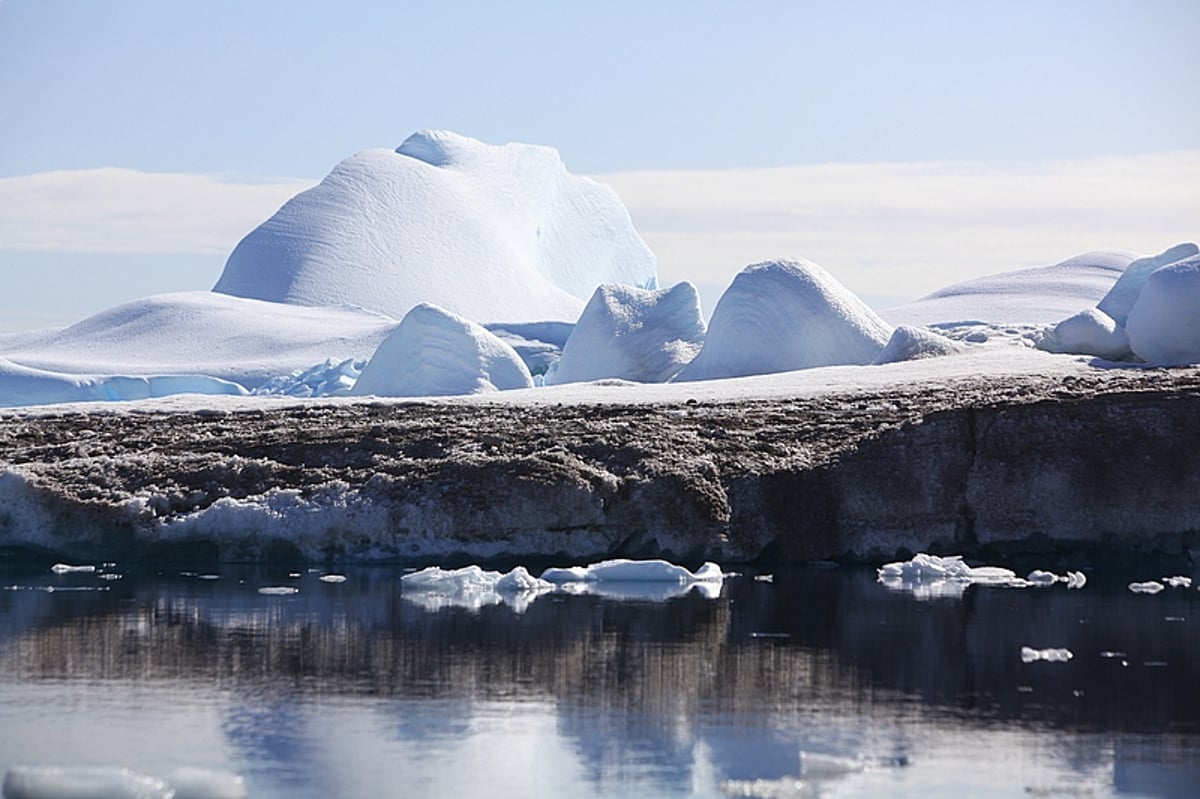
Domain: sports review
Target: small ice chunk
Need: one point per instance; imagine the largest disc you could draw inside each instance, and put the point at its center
(1076, 579)
(472, 587)
(1148, 587)
(278, 590)
(518, 580)
(33, 782)
(1178, 581)
(637, 571)
(66, 568)
(764, 578)
(814, 765)
(1040, 577)
(202, 783)
(1052, 655)
(332, 578)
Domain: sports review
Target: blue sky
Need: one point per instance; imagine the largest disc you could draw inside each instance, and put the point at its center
(260, 97)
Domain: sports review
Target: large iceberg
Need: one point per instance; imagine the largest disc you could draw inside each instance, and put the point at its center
(434, 353)
(779, 316)
(632, 334)
(493, 233)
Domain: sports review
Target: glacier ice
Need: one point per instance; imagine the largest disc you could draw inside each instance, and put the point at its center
(1120, 299)
(494, 233)
(1164, 323)
(632, 334)
(434, 352)
(779, 316)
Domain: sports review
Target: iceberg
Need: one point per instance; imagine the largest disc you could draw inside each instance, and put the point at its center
(434, 352)
(632, 334)
(1164, 323)
(494, 233)
(931, 576)
(1050, 655)
(1121, 298)
(779, 316)
(472, 587)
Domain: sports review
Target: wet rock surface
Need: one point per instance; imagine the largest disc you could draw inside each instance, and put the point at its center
(1109, 459)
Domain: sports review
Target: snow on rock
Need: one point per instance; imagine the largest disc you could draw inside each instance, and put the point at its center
(434, 352)
(188, 342)
(1120, 299)
(1089, 332)
(1164, 324)
(1042, 295)
(780, 316)
(493, 233)
(910, 343)
(632, 334)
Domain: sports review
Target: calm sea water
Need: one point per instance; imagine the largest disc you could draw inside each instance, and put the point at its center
(817, 683)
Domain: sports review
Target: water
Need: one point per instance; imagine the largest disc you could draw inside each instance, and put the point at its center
(351, 690)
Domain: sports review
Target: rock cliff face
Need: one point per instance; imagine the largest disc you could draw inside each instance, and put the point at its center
(991, 464)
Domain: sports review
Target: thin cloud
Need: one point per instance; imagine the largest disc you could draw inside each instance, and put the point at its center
(115, 210)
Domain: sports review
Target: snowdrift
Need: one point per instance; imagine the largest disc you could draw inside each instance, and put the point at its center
(779, 316)
(492, 233)
(632, 334)
(435, 353)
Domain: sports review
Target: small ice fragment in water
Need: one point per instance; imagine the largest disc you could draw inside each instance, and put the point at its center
(1174, 618)
(208, 577)
(1108, 654)
(30, 782)
(814, 765)
(1076, 579)
(202, 783)
(1178, 582)
(332, 578)
(1039, 577)
(1060, 655)
(1149, 587)
(66, 568)
(278, 590)
(764, 578)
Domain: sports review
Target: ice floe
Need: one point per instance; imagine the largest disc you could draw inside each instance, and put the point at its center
(1052, 655)
(1178, 581)
(45, 782)
(66, 568)
(1148, 587)
(931, 576)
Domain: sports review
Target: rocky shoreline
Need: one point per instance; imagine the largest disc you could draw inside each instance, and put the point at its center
(1108, 458)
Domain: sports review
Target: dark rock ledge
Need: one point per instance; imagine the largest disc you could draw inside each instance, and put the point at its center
(1109, 459)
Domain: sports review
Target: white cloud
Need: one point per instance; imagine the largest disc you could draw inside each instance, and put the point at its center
(898, 231)
(888, 231)
(114, 210)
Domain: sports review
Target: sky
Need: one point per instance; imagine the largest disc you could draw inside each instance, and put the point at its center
(903, 146)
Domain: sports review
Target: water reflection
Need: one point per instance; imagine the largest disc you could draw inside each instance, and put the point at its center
(349, 689)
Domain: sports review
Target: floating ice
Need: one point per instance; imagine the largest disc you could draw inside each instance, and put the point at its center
(780, 316)
(1178, 581)
(436, 353)
(632, 334)
(332, 578)
(1060, 655)
(637, 571)
(928, 576)
(1148, 587)
(471, 587)
(30, 782)
(278, 590)
(66, 568)
(494, 233)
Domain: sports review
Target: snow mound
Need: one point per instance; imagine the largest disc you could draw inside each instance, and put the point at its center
(493, 233)
(434, 352)
(1121, 297)
(633, 334)
(31, 782)
(780, 316)
(1164, 324)
(914, 343)
(1042, 295)
(187, 342)
(1089, 332)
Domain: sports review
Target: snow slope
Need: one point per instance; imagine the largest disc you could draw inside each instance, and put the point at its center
(436, 353)
(188, 342)
(783, 315)
(1042, 295)
(492, 233)
(632, 334)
